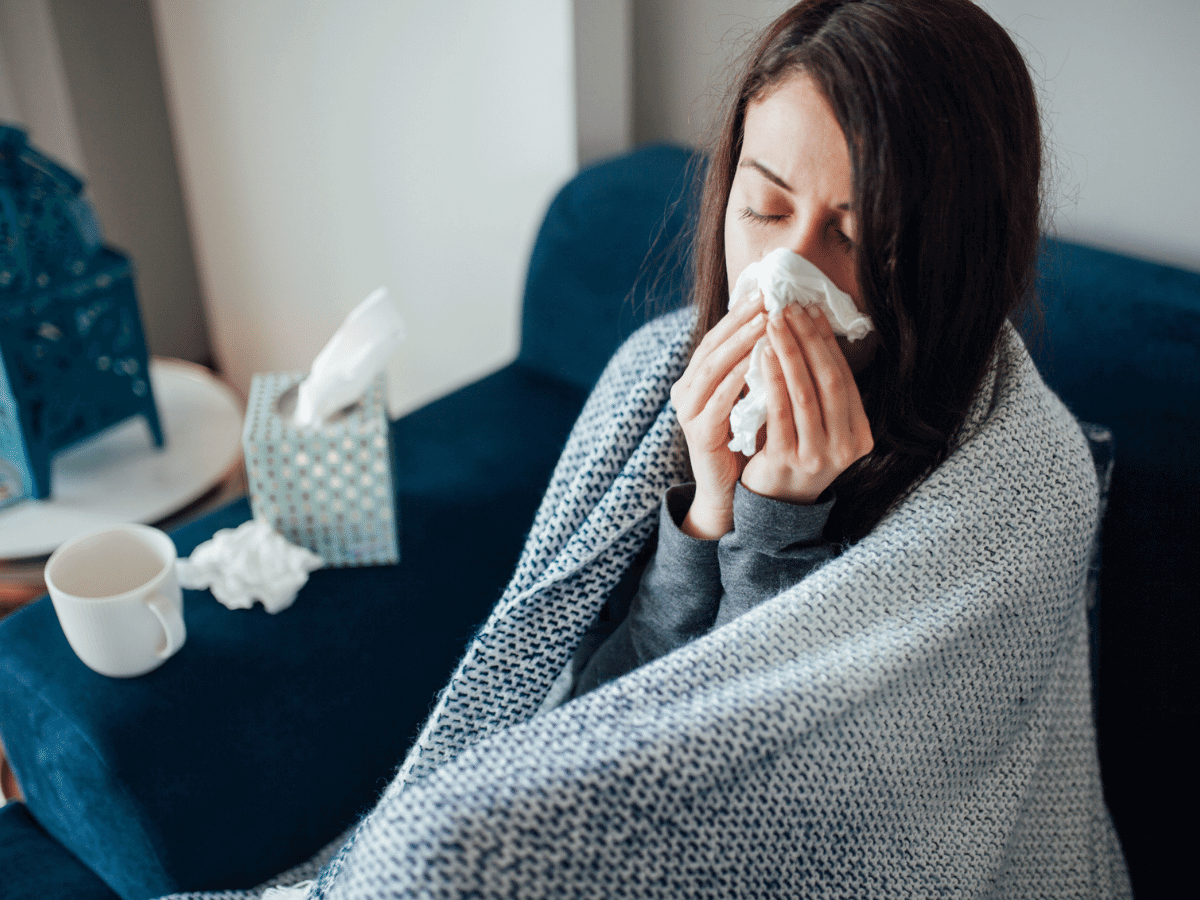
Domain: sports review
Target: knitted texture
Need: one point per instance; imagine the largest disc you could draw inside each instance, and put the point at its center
(912, 719)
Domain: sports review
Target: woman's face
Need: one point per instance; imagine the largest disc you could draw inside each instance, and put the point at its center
(792, 189)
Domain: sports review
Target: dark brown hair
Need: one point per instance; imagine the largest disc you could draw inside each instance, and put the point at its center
(941, 121)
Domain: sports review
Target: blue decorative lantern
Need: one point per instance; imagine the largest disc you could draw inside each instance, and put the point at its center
(73, 358)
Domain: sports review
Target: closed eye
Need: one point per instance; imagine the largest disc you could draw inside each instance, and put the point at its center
(748, 213)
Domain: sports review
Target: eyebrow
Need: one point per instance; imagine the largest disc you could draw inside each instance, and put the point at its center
(775, 179)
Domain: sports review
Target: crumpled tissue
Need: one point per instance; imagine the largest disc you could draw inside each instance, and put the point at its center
(356, 353)
(782, 278)
(248, 563)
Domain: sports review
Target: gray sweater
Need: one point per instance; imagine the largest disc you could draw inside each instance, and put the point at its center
(690, 586)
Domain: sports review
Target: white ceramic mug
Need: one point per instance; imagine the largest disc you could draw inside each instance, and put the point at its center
(117, 598)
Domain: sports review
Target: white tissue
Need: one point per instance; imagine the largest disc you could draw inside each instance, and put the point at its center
(248, 563)
(782, 277)
(356, 353)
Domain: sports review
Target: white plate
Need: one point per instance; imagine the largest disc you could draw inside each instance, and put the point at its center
(120, 476)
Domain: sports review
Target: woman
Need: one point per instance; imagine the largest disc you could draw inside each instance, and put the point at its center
(925, 210)
(909, 718)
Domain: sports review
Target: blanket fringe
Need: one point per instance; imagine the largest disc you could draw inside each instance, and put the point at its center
(290, 892)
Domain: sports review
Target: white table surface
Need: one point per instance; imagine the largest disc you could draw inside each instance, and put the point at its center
(120, 476)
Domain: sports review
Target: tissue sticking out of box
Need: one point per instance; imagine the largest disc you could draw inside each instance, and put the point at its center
(782, 278)
(356, 353)
(248, 563)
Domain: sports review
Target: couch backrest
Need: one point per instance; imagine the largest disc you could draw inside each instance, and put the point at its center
(610, 255)
(1121, 346)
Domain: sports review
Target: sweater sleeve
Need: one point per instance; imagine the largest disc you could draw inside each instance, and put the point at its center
(691, 586)
(773, 546)
(676, 600)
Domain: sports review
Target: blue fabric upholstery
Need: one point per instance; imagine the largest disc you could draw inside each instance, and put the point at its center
(46, 869)
(570, 323)
(267, 735)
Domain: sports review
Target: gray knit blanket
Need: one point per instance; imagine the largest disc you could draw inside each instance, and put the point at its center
(913, 719)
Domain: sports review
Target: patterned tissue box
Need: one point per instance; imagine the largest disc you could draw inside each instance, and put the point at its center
(326, 487)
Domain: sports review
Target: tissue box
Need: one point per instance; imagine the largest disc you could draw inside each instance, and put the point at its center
(328, 487)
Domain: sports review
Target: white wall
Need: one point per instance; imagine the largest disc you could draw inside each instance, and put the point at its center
(603, 77)
(115, 84)
(38, 98)
(1120, 86)
(9, 111)
(328, 148)
(683, 51)
(82, 78)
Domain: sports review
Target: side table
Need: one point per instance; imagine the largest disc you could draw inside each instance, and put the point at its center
(197, 409)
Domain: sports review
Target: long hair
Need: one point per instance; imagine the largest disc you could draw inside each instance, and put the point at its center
(941, 122)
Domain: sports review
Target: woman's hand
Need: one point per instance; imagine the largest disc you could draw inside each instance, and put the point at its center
(703, 398)
(816, 426)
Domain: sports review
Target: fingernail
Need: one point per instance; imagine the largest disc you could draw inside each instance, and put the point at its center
(814, 310)
(747, 297)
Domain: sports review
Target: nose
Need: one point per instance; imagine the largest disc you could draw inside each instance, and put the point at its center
(809, 239)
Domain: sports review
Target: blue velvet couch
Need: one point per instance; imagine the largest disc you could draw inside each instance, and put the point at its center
(266, 736)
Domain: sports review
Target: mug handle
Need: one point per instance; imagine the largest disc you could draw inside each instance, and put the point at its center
(171, 619)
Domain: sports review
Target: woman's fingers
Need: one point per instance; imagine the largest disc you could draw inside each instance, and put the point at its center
(831, 372)
(735, 318)
(704, 416)
(713, 417)
(830, 382)
(815, 424)
(782, 433)
(715, 359)
(785, 467)
(793, 410)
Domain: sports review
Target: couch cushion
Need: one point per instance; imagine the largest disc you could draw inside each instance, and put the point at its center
(461, 448)
(34, 866)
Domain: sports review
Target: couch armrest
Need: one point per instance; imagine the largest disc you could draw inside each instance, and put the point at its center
(36, 867)
(267, 736)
